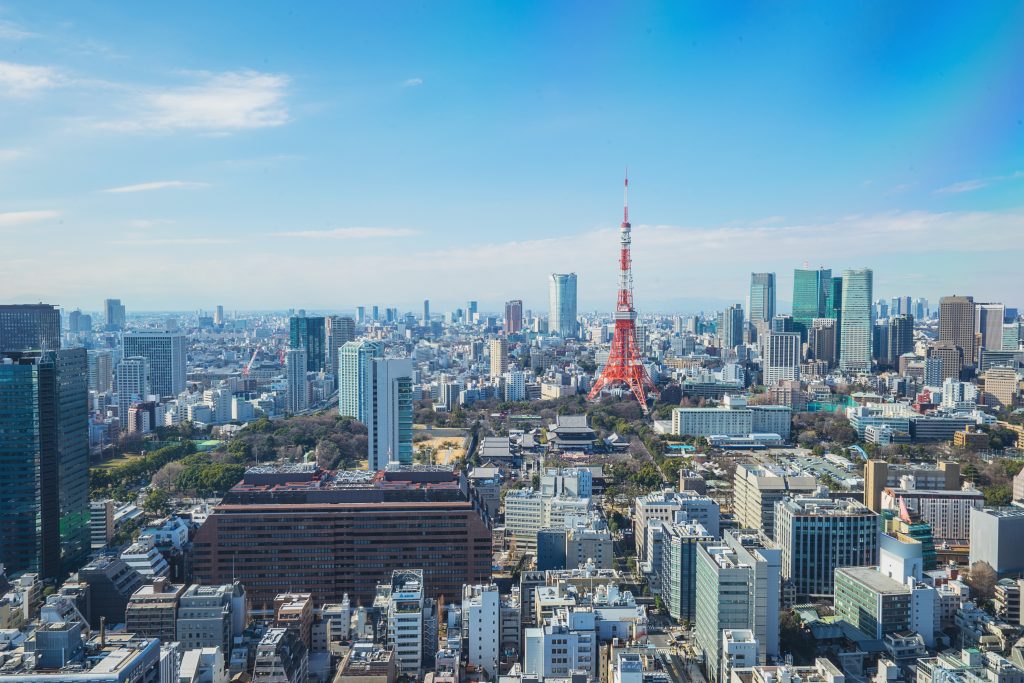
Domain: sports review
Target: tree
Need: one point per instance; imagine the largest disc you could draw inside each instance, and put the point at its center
(157, 502)
(982, 580)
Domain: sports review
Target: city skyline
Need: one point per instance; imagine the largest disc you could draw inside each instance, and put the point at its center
(247, 154)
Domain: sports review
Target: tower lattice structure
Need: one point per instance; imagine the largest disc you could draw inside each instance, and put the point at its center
(624, 366)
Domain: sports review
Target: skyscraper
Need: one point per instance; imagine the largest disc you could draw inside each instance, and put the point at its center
(426, 312)
(377, 391)
(165, 351)
(218, 315)
(731, 331)
(499, 357)
(309, 334)
(513, 316)
(114, 314)
(855, 325)
(812, 291)
(900, 339)
(956, 328)
(101, 370)
(340, 330)
(562, 316)
(989, 324)
(471, 311)
(781, 357)
(822, 342)
(29, 327)
(44, 518)
(133, 385)
(297, 389)
(762, 301)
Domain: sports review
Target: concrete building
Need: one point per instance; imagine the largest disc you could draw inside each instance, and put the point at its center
(152, 611)
(363, 524)
(1001, 388)
(947, 512)
(757, 488)
(404, 599)
(734, 418)
(871, 602)
(513, 316)
(823, 341)
(132, 384)
(738, 585)
(677, 575)
(481, 625)
(957, 331)
(564, 643)
(367, 663)
(855, 321)
(739, 651)
(819, 534)
(996, 535)
(377, 391)
(63, 655)
(879, 474)
(668, 507)
(499, 357)
(111, 585)
(281, 658)
(781, 357)
(210, 616)
(297, 388)
(29, 327)
(165, 350)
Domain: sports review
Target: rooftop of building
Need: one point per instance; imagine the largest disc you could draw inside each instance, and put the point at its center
(116, 653)
(826, 507)
(873, 579)
(1008, 511)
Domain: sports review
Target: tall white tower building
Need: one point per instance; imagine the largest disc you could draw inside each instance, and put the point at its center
(562, 317)
(855, 324)
(297, 392)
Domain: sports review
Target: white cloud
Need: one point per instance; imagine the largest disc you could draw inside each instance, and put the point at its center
(25, 80)
(219, 103)
(964, 186)
(145, 241)
(413, 82)
(356, 233)
(12, 219)
(11, 154)
(11, 31)
(157, 185)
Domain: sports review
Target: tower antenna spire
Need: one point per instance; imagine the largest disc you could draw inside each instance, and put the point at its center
(625, 199)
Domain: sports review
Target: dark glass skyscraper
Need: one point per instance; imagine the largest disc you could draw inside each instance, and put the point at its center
(309, 334)
(812, 294)
(762, 301)
(44, 474)
(29, 327)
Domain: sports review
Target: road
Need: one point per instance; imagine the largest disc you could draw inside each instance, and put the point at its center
(680, 669)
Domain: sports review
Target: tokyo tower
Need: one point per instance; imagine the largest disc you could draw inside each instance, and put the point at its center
(624, 366)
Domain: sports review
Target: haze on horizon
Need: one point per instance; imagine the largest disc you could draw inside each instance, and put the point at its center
(324, 156)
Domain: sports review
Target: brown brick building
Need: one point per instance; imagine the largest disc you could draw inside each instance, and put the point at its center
(301, 529)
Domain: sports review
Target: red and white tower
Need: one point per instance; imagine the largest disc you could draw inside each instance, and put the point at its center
(624, 366)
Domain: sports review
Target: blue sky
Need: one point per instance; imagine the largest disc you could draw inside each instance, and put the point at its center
(181, 155)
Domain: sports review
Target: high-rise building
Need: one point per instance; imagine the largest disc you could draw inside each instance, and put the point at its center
(358, 529)
(817, 534)
(360, 315)
(738, 587)
(822, 341)
(762, 301)
(677, 576)
(101, 370)
(218, 316)
(956, 327)
(165, 351)
(921, 311)
(377, 391)
(731, 330)
(562, 316)
(757, 488)
(44, 518)
(1001, 387)
(812, 292)
(855, 324)
(513, 316)
(309, 334)
(133, 385)
(989, 325)
(471, 311)
(781, 357)
(29, 327)
(950, 357)
(900, 338)
(481, 608)
(114, 314)
(297, 389)
(340, 329)
(426, 312)
(499, 356)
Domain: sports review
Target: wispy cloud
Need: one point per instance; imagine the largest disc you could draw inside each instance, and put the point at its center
(11, 154)
(412, 82)
(356, 233)
(978, 183)
(218, 103)
(25, 80)
(157, 185)
(146, 223)
(964, 186)
(11, 31)
(12, 219)
(146, 241)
